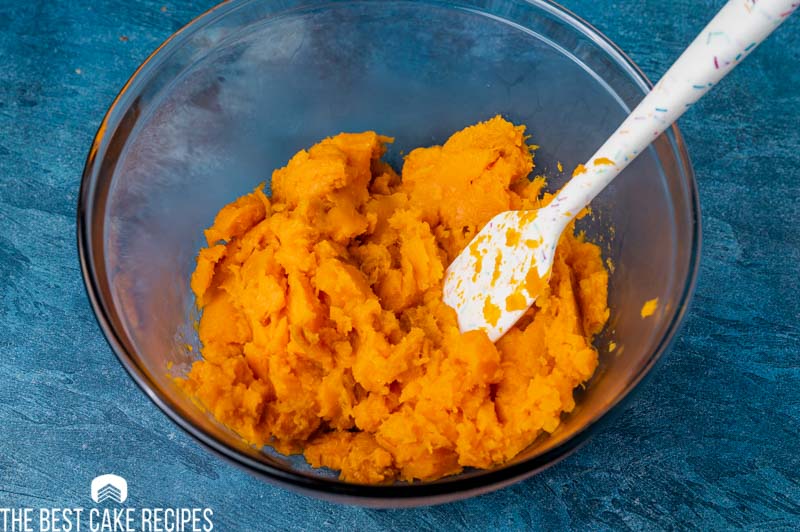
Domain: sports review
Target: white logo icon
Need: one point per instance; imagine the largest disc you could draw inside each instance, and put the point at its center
(109, 487)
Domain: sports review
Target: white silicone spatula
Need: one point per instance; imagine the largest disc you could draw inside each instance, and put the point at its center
(493, 299)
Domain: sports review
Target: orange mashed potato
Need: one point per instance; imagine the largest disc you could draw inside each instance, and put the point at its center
(323, 326)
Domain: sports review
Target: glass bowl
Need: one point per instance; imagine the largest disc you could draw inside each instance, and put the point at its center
(235, 93)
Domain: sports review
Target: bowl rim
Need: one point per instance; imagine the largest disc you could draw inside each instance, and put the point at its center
(395, 495)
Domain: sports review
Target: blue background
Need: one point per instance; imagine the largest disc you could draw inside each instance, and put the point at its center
(709, 442)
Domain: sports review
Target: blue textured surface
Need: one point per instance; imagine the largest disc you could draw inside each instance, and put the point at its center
(709, 442)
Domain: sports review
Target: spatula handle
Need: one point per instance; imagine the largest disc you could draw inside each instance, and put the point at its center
(735, 31)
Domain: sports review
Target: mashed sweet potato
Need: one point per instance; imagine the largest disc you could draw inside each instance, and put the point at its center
(323, 326)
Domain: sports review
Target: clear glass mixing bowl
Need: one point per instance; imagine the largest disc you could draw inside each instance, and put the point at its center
(235, 93)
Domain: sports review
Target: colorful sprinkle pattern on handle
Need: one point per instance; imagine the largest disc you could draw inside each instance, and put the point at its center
(493, 302)
(739, 27)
